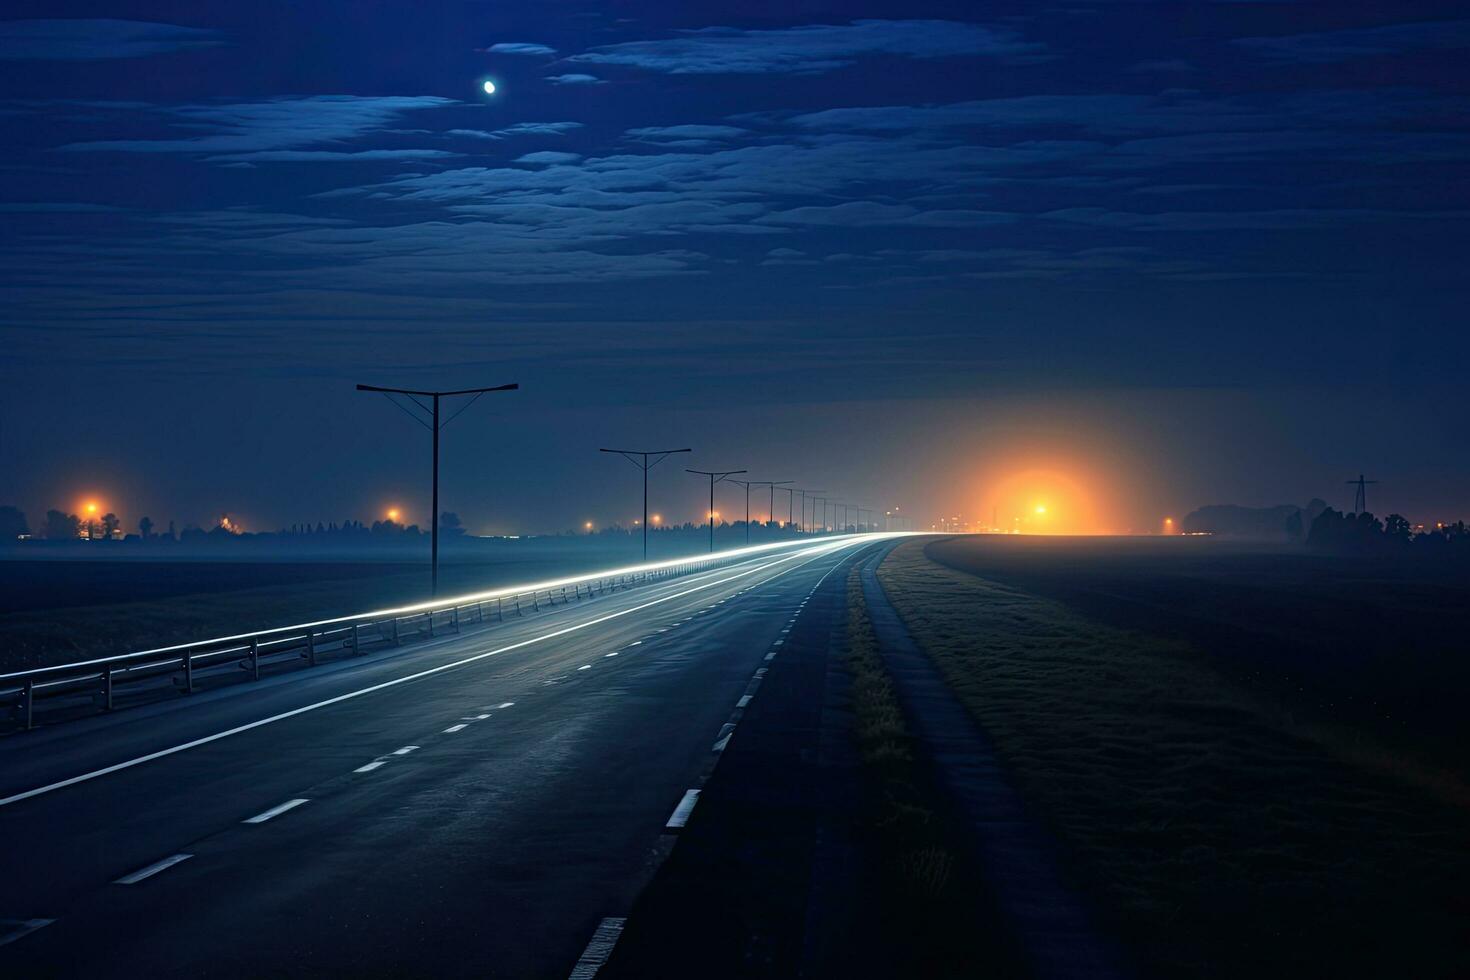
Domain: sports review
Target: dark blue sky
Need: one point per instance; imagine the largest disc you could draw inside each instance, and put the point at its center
(1188, 252)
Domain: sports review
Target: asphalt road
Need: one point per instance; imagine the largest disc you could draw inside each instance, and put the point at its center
(474, 806)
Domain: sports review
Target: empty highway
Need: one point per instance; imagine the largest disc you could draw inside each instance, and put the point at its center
(470, 806)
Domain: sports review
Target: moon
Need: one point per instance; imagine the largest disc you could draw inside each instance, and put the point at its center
(489, 87)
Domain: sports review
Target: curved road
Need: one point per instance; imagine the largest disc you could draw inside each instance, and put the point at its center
(473, 806)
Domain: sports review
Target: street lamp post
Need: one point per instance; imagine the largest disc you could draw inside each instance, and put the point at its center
(434, 426)
(747, 485)
(715, 476)
(643, 464)
(771, 513)
(803, 504)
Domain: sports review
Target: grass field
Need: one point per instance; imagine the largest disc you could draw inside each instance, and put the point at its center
(1215, 833)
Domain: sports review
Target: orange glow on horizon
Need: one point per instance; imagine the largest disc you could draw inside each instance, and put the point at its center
(393, 513)
(1051, 497)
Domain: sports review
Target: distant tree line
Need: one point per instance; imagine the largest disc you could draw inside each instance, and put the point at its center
(59, 526)
(1334, 531)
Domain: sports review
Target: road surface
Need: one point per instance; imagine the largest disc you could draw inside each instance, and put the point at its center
(472, 806)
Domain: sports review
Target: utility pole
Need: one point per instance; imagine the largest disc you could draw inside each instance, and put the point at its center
(1360, 499)
(747, 485)
(715, 477)
(643, 464)
(434, 426)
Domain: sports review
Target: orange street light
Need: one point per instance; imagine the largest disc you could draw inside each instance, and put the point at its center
(393, 514)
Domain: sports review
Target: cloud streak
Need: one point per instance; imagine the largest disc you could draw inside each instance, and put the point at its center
(811, 49)
(99, 39)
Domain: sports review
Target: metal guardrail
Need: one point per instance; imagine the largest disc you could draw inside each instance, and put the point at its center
(99, 681)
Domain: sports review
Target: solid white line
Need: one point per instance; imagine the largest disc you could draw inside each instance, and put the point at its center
(275, 811)
(452, 729)
(370, 766)
(405, 750)
(152, 869)
(428, 672)
(599, 949)
(681, 812)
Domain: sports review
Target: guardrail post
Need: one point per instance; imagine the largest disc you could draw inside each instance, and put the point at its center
(188, 672)
(255, 657)
(479, 611)
(537, 602)
(454, 618)
(429, 618)
(357, 639)
(518, 604)
(311, 647)
(499, 609)
(395, 631)
(107, 689)
(29, 703)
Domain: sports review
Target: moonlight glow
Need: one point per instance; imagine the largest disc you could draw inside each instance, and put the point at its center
(489, 87)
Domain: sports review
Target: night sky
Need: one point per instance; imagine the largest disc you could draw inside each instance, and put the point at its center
(1139, 256)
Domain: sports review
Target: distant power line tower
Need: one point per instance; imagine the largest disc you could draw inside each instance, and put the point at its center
(1360, 499)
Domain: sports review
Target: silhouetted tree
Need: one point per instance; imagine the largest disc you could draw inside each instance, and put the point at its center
(1294, 529)
(1396, 527)
(12, 523)
(62, 527)
(110, 523)
(449, 524)
(145, 528)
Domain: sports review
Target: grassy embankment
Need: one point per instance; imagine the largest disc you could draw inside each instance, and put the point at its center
(928, 916)
(1216, 841)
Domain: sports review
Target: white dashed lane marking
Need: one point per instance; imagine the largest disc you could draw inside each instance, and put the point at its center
(405, 750)
(370, 766)
(452, 729)
(599, 949)
(680, 816)
(275, 811)
(152, 869)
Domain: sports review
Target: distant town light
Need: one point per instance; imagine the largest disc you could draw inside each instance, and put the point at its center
(588, 525)
(393, 513)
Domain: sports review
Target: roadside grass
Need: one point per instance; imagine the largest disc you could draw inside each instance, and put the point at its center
(1216, 841)
(925, 896)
